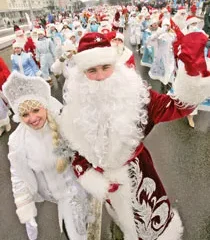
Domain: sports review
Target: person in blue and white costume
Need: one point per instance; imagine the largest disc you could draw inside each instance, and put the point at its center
(23, 62)
(64, 65)
(66, 30)
(39, 158)
(92, 25)
(132, 24)
(163, 67)
(149, 41)
(57, 38)
(45, 54)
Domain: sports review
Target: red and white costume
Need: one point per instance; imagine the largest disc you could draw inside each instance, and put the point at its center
(106, 123)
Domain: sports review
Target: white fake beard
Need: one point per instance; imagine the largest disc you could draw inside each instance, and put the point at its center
(21, 40)
(193, 29)
(104, 120)
(119, 48)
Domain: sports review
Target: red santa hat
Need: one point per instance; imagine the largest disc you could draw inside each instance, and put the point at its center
(182, 9)
(119, 36)
(19, 32)
(94, 49)
(191, 19)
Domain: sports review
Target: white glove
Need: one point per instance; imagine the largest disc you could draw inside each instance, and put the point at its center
(32, 229)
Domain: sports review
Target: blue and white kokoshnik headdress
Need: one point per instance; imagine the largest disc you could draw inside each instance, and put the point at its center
(19, 88)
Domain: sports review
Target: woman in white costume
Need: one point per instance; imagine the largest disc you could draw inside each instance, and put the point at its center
(64, 65)
(39, 158)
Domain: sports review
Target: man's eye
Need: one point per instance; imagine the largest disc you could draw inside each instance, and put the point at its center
(91, 71)
(106, 67)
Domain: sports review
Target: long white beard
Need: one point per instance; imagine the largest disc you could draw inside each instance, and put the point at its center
(21, 40)
(104, 120)
(119, 48)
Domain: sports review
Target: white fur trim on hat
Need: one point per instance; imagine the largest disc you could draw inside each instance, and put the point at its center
(152, 21)
(41, 31)
(18, 45)
(192, 20)
(95, 56)
(119, 36)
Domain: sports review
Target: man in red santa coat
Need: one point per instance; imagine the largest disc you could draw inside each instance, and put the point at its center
(110, 113)
(4, 72)
(125, 55)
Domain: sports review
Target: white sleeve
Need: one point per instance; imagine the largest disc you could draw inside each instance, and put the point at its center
(23, 197)
(57, 67)
(26, 208)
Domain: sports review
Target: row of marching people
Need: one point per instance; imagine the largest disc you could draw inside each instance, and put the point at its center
(160, 46)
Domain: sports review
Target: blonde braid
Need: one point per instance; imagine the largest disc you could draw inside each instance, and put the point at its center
(61, 163)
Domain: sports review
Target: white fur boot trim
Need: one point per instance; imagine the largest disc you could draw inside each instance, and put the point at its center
(121, 202)
(175, 229)
(27, 212)
(95, 183)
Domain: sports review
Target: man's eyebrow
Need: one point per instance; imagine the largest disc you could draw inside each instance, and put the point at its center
(106, 65)
(90, 69)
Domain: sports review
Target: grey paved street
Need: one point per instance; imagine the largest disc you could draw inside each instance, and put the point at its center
(182, 158)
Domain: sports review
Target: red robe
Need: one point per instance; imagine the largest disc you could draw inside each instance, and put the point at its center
(4, 72)
(150, 205)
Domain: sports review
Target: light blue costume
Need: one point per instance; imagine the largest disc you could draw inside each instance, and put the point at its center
(45, 54)
(94, 27)
(148, 54)
(24, 64)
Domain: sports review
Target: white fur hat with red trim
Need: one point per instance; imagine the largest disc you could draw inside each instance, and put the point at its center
(182, 10)
(191, 19)
(119, 36)
(94, 49)
(18, 44)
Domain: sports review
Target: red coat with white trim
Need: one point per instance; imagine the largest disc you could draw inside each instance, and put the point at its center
(148, 195)
(4, 72)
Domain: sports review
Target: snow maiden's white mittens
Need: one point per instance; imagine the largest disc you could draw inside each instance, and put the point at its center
(32, 229)
(26, 212)
(95, 183)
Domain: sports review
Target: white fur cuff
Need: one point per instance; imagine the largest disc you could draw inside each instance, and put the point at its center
(27, 212)
(95, 183)
(191, 90)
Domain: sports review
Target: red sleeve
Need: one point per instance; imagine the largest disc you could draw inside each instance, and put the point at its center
(162, 108)
(5, 72)
(80, 165)
(131, 62)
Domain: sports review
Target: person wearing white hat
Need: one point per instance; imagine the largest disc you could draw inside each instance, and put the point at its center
(180, 18)
(66, 30)
(149, 43)
(163, 66)
(45, 54)
(192, 25)
(39, 158)
(64, 65)
(132, 21)
(23, 62)
(125, 55)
